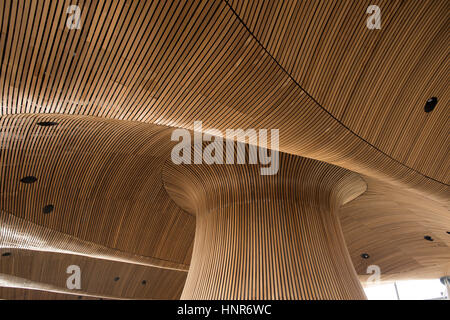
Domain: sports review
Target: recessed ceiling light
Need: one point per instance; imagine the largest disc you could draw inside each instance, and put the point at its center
(428, 238)
(47, 123)
(48, 208)
(6, 254)
(28, 179)
(430, 104)
(365, 256)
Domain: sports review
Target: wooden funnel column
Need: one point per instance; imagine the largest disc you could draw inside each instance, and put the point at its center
(267, 237)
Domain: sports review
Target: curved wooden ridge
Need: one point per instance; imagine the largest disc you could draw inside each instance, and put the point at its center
(349, 104)
(16, 234)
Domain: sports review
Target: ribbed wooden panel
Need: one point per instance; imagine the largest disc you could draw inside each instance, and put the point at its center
(337, 92)
(390, 225)
(102, 178)
(25, 294)
(111, 213)
(17, 131)
(47, 271)
(375, 82)
(179, 61)
(267, 237)
(21, 234)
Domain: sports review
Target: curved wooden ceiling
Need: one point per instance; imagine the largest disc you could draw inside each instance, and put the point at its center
(390, 223)
(375, 83)
(338, 92)
(103, 179)
(111, 214)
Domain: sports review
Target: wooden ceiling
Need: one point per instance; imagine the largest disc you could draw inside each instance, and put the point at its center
(100, 278)
(390, 224)
(111, 214)
(338, 92)
(375, 83)
(94, 172)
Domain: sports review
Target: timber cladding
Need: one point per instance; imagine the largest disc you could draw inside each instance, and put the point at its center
(363, 169)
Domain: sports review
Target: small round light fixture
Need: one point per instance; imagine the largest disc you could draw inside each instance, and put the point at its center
(48, 208)
(430, 104)
(365, 256)
(116, 279)
(28, 179)
(6, 254)
(47, 123)
(428, 238)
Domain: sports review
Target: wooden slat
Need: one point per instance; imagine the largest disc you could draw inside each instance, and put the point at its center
(375, 82)
(267, 237)
(338, 92)
(47, 271)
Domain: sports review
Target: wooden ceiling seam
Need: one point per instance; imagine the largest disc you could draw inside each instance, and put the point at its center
(318, 104)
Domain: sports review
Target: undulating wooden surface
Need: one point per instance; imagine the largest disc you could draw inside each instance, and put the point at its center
(267, 237)
(99, 278)
(178, 61)
(338, 92)
(111, 212)
(26, 294)
(375, 82)
(20, 233)
(390, 224)
(102, 178)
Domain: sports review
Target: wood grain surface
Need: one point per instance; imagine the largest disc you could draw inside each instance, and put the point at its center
(347, 100)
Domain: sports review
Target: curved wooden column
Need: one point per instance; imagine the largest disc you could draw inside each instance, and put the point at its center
(267, 237)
